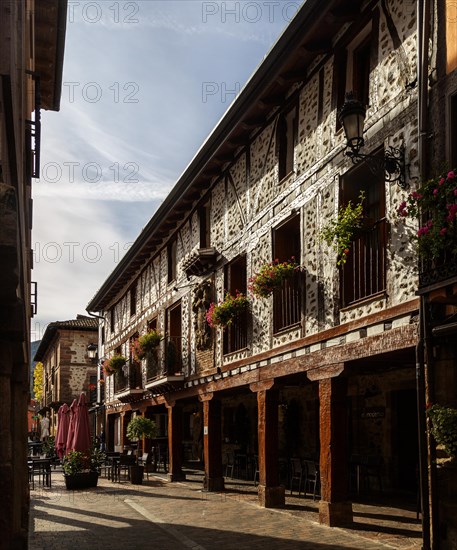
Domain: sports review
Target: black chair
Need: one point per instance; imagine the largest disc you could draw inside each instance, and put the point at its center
(311, 477)
(256, 470)
(40, 468)
(230, 466)
(146, 462)
(296, 474)
(122, 466)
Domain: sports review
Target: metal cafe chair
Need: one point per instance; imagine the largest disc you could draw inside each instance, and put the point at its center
(230, 466)
(297, 474)
(123, 465)
(311, 477)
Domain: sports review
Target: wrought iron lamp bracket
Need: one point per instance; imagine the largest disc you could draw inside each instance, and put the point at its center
(392, 164)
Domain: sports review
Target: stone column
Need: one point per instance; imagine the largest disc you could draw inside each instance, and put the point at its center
(335, 508)
(212, 443)
(175, 472)
(271, 494)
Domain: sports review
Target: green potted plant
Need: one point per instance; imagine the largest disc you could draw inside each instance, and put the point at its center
(341, 232)
(444, 428)
(81, 470)
(435, 205)
(114, 364)
(270, 277)
(138, 428)
(222, 314)
(146, 344)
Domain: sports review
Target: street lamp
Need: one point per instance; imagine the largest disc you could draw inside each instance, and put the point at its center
(352, 118)
(92, 351)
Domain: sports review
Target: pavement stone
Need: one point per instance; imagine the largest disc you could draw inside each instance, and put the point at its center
(165, 516)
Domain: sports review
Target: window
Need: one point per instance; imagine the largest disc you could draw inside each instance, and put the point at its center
(171, 254)
(103, 335)
(112, 320)
(352, 68)
(173, 341)
(285, 142)
(364, 273)
(133, 299)
(235, 335)
(453, 131)
(204, 221)
(287, 299)
(152, 324)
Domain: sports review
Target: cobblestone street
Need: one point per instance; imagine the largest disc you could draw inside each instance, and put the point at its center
(176, 516)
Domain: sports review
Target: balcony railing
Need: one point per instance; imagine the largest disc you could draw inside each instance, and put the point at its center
(236, 334)
(166, 369)
(437, 270)
(128, 378)
(287, 303)
(364, 273)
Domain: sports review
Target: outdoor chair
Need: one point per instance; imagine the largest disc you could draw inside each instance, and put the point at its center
(41, 469)
(311, 477)
(229, 467)
(123, 465)
(146, 462)
(296, 474)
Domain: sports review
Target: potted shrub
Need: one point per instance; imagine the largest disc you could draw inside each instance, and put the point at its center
(146, 344)
(222, 314)
(137, 428)
(341, 232)
(81, 470)
(114, 364)
(444, 428)
(270, 277)
(435, 205)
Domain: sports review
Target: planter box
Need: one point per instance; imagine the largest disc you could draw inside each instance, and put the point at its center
(83, 480)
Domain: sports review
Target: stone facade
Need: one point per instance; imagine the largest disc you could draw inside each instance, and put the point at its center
(357, 357)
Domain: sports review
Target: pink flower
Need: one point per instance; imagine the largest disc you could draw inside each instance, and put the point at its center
(442, 180)
(450, 175)
(443, 231)
(429, 223)
(435, 191)
(455, 192)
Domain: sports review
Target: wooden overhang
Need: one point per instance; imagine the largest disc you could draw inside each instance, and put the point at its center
(50, 28)
(287, 62)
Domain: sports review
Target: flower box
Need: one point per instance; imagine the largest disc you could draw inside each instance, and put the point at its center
(223, 314)
(270, 277)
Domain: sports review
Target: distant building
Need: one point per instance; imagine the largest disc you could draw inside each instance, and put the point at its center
(67, 368)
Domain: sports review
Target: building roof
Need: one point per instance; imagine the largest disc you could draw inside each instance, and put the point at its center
(50, 29)
(286, 63)
(80, 323)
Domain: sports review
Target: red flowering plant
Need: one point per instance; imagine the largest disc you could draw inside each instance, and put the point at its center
(435, 204)
(270, 276)
(224, 313)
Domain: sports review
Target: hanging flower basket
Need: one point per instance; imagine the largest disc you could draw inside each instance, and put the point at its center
(341, 232)
(146, 344)
(223, 314)
(270, 277)
(444, 428)
(113, 365)
(435, 204)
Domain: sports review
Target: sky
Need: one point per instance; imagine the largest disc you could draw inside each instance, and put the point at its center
(144, 84)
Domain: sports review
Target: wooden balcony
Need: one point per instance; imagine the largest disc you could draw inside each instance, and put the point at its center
(166, 373)
(128, 383)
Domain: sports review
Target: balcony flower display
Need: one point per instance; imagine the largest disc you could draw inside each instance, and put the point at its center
(444, 428)
(145, 344)
(222, 314)
(435, 204)
(112, 365)
(341, 232)
(270, 276)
